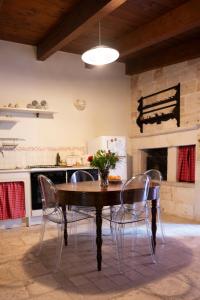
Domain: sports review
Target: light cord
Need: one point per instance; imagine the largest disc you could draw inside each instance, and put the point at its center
(99, 33)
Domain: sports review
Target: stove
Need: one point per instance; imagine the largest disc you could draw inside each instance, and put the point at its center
(42, 166)
(55, 175)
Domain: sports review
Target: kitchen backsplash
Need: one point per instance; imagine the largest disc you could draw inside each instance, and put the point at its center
(22, 157)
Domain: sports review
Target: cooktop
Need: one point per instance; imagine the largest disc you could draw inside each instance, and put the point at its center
(42, 166)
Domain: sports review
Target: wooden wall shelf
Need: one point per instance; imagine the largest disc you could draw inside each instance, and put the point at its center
(11, 139)
(8, 120)
(36, 112)
(153, 112)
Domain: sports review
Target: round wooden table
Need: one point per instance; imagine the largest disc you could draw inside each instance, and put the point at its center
(89, 193)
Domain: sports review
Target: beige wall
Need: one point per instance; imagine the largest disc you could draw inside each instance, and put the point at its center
(60, 80)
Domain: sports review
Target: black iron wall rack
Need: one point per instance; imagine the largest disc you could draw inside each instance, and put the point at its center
(154, 111)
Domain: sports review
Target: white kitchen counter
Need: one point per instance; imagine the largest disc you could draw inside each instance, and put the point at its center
(29, 170)
(2, 171)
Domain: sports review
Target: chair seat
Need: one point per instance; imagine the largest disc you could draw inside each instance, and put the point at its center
(83, 208)
(55, 215)
(90, 210)
(123, 215)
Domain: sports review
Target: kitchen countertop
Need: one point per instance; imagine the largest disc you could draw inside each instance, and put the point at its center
(30, 170)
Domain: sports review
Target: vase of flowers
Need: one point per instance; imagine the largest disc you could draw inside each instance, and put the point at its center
(104, 161)
(104, 178)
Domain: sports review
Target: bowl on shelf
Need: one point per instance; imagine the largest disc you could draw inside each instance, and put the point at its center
(44, 104)
(35, 103)
(29, 105)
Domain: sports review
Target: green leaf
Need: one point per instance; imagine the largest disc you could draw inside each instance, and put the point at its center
(104, 160)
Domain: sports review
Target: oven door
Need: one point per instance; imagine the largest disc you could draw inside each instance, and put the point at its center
(55, 176)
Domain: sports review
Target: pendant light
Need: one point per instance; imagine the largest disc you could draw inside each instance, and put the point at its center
(100, 55)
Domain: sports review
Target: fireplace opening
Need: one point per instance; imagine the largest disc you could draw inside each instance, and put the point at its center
(157, 159)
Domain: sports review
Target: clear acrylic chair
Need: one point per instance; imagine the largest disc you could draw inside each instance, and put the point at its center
(52, 212)
(82, 175)
(131, 214)
(156, 177)
(79, 176)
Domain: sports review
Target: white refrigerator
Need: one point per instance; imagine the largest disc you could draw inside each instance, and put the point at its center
(115, 144)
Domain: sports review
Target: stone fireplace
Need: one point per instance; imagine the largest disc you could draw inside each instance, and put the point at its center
(178, 198)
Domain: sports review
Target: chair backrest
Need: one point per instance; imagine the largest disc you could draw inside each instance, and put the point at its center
(81, 175)
(155, 175)
(135, 191)
(48, 193)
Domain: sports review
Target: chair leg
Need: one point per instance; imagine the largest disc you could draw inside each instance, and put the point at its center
(119, 236)
(112, 209)
(149, 239)
(74, 224)
(92, 227)
(134, 239)
(112, 231)
(160, 223)
(59, 245)
(43, 225)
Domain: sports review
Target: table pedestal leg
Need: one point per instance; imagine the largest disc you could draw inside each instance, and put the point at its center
(99, 236)
(65, 224)
(153, 224)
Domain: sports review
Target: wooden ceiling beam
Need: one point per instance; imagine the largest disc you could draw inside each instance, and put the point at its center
(160, 58)
(83, 16)
(177, 21)
(1, 3)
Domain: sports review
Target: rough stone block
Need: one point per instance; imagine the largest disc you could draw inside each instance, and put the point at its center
(189, 87)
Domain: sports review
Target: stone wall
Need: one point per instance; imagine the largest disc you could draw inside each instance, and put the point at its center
(177, 198)
(188, 74)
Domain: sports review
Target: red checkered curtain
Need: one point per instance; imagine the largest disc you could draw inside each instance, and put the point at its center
(12, 200)
(186, 163)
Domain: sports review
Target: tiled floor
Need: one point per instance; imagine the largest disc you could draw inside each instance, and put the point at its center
(24, 275)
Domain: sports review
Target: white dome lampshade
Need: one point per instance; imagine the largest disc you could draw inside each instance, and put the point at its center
(100, 55)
